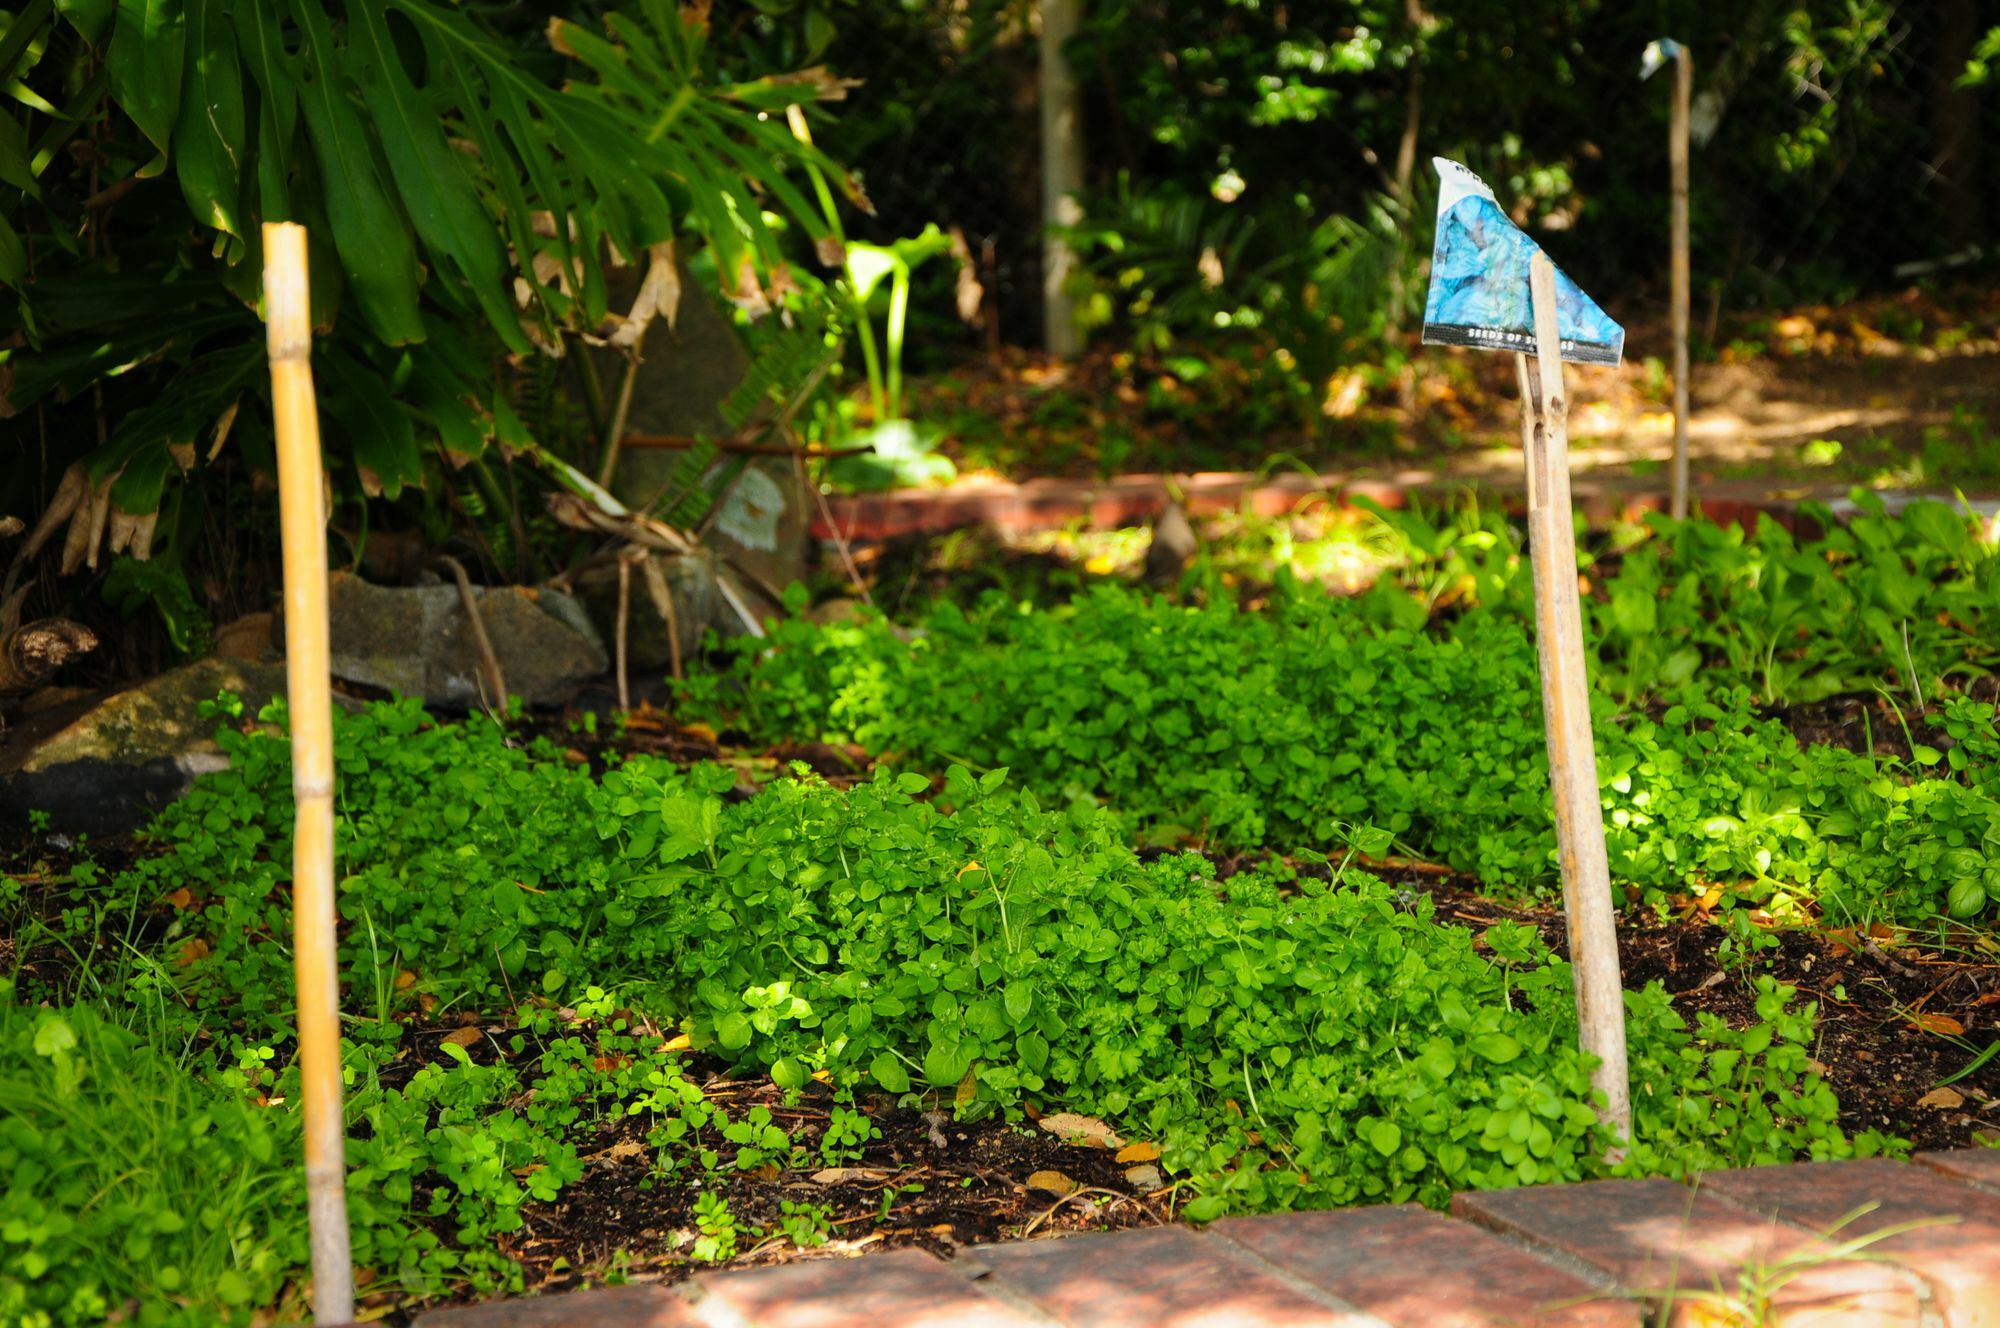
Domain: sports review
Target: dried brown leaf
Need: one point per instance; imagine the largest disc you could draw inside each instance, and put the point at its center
(1937, 1023)
(1087, 1131)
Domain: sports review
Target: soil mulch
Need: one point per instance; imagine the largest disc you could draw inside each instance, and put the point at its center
(930, 1181)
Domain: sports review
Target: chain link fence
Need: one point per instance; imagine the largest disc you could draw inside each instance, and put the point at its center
(1831, 160)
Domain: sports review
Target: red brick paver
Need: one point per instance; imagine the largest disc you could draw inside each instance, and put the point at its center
(1954, 1237)
(1975, 1166)
(1409, 1266)
(1051, 503)
(899, 1289)
(1167, 1277)
(1699, 1254)
(626, 1306)
(1758, 1245)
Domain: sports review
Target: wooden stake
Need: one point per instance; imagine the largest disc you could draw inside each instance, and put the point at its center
(302, 513)
(1586, 874)
(1677, 158)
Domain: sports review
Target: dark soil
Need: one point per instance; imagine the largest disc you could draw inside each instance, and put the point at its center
(1864, 724)
(1894, 1019)
(930, 1181)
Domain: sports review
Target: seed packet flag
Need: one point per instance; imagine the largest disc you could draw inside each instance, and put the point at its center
(1479, 281)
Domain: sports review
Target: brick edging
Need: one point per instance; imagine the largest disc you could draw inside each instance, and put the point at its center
(1128, 500)
(1586, 1255)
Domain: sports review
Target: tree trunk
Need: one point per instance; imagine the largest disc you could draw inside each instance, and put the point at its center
(1955, 128)
(1062, 173)
(1406, 170)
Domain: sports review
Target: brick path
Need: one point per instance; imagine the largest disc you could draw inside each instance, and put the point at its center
(1130, 500)
(1603, 1254)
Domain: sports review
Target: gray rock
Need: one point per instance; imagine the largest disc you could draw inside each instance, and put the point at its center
(698, 606)
(129, 754)
(416, 641)
(687, 372)
(762, 526)
(1174, 545)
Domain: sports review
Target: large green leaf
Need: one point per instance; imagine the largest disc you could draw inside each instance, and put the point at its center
(447, 396)
(276, 76)
(209, 137)
(24, 40)
(90, 17)
(436, 189)
(105, 324)
(145, 64)
(183, 416)
(366, 424)
(13, 255)
(370, 234)
(14, 166)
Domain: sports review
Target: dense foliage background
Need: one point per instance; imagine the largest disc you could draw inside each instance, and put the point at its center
(1839, 138)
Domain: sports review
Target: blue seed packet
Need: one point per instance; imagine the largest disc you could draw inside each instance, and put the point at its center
(1479, 281)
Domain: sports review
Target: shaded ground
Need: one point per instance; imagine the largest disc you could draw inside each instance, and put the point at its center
(1899, 390)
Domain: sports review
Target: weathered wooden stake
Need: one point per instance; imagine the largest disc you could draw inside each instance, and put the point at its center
(1677, 159)
(1586, 874)
(302, 513)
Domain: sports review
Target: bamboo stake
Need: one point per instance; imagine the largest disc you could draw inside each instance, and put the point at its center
(1677, 158)
(302, 512)
(623, 627)
(1586, 873)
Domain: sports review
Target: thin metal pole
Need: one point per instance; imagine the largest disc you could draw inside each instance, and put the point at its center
(302, 514)
(1677, 158)
(1579, 810)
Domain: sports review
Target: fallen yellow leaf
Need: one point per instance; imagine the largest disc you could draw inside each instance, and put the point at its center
(1139, 1152)
(1055, 1182)
(1944, 1099)
(699, 730)
(462, 1037)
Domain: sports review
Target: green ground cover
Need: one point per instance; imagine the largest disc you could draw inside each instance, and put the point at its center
(1286, 1037)
(988, 923)
(1416, 708)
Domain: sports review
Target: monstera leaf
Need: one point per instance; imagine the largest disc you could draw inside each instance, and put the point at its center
(439, 178)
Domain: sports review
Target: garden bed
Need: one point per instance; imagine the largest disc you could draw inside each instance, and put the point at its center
(1266, 890)
(1897, 1015)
